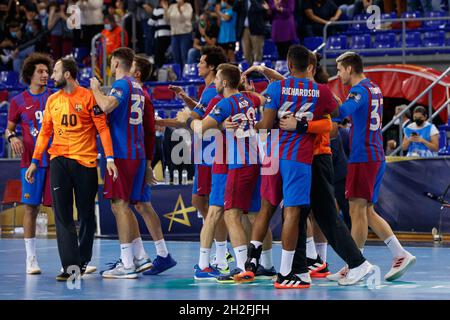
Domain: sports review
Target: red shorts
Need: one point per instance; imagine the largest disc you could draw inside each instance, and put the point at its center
(202, 180)
(272, 186)
(130, 182)
(364, 180)
(241, 182)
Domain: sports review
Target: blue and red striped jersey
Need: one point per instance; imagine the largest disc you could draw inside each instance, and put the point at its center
(303, 98)
(208, 93)
(242, 144)
(126, 121)
(27, 110)
(365, 106)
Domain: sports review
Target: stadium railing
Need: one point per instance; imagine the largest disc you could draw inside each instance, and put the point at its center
(401, 50)
(133, 29)
(94, 55)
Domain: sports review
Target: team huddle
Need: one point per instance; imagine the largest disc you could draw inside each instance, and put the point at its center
(270, 150)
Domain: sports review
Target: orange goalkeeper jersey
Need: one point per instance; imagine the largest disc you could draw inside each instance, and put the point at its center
(73, 120)
(322, 130)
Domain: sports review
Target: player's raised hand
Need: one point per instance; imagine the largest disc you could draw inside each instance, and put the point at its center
(29, 174)
(177, 89)
(17, 146)
(248, 86)
(112, 169)
(183, 115)
(259, 69)
(95, 84)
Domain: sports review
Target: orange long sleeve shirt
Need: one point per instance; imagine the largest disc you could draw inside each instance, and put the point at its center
(322, 130)
(73, 120)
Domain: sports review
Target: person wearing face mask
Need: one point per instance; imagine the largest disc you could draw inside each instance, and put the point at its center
(113, 34)
(205, 35)
(392, 136)
(43, 14)
(421, 137)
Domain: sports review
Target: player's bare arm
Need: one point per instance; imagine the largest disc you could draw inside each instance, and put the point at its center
(14, 141)
(106, 103)
(196, 125)
(191, 103)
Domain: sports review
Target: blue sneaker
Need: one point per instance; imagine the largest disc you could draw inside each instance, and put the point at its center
(229, 278)
(161, 264)
(263, 273)
(209, 273)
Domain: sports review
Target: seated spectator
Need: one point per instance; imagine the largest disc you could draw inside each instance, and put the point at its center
(113, 34)
(31, 15)
(423, 5)
(43, 14)
(205, 35)
(14, 46)
(358, 7)
(227, 32)
(319, 13)
(392, 136)
(421, 137)
(283, 25)
(162, 33)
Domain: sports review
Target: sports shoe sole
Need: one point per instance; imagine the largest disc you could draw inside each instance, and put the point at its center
(128, 276)
(318, 269)
(205, 279)
(319, 275)
(34, 272)
(144, 267)
(397, 275)
(246, 276)
(90, 269)
(280, 286)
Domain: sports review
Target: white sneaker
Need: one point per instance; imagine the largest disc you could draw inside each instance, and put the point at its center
(399, 266)
(356, 274)
(120, 272)
(33, 266)
(142, 264)
(89, 269)
(339, 275)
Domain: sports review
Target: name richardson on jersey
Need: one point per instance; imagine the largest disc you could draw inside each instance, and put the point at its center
(300, 92)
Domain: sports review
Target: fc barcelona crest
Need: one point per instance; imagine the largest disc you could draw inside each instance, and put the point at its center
(78, 107)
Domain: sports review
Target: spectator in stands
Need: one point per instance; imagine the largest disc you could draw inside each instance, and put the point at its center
(43, 14)
(227, 32)
(423, 5)
(91, 20)
(179, 15)
(141, 9)
(61, 37)
(113, 35)
(252, 16)
(319, 13)
(31, 15)
(40, 36)
(162, 33)
(205, 35)
(421, 137)
(398, 6)
(283, 25)
(358, 7)
(392, 135)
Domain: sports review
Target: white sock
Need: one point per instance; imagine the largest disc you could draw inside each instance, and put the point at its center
(287, 257)
(138, 249)
(361, 249)
(203, 259)
(266, 259)
(257, 244)
(161, 249)
(221, 253)
(321, 249)
(241, 256)
(126, 254)
(30, 247)
(311, 249)
(394, 245)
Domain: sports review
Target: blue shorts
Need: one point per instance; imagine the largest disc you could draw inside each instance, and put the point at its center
(146, 194)
(256, 197)
(217, 195)
(378, 180)
(37, 192)
(296, 177)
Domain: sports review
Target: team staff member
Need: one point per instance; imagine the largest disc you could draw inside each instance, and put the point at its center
(72, 118)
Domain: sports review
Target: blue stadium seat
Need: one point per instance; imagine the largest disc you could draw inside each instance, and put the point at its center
(243, 65)
(79, 54)
(336, 43)
(161, 113)
(267, 63)
(413, 40)
(361, 41)
(84, 76)
(3, 122)
(433, 38)
(190, 72)
(4, 105)
(410, 15)
(281, 66)
(2, 147)
(10, 80)
(312, 43)
(360, 24)
(270, 50)
(435, 24)
(385, 40)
